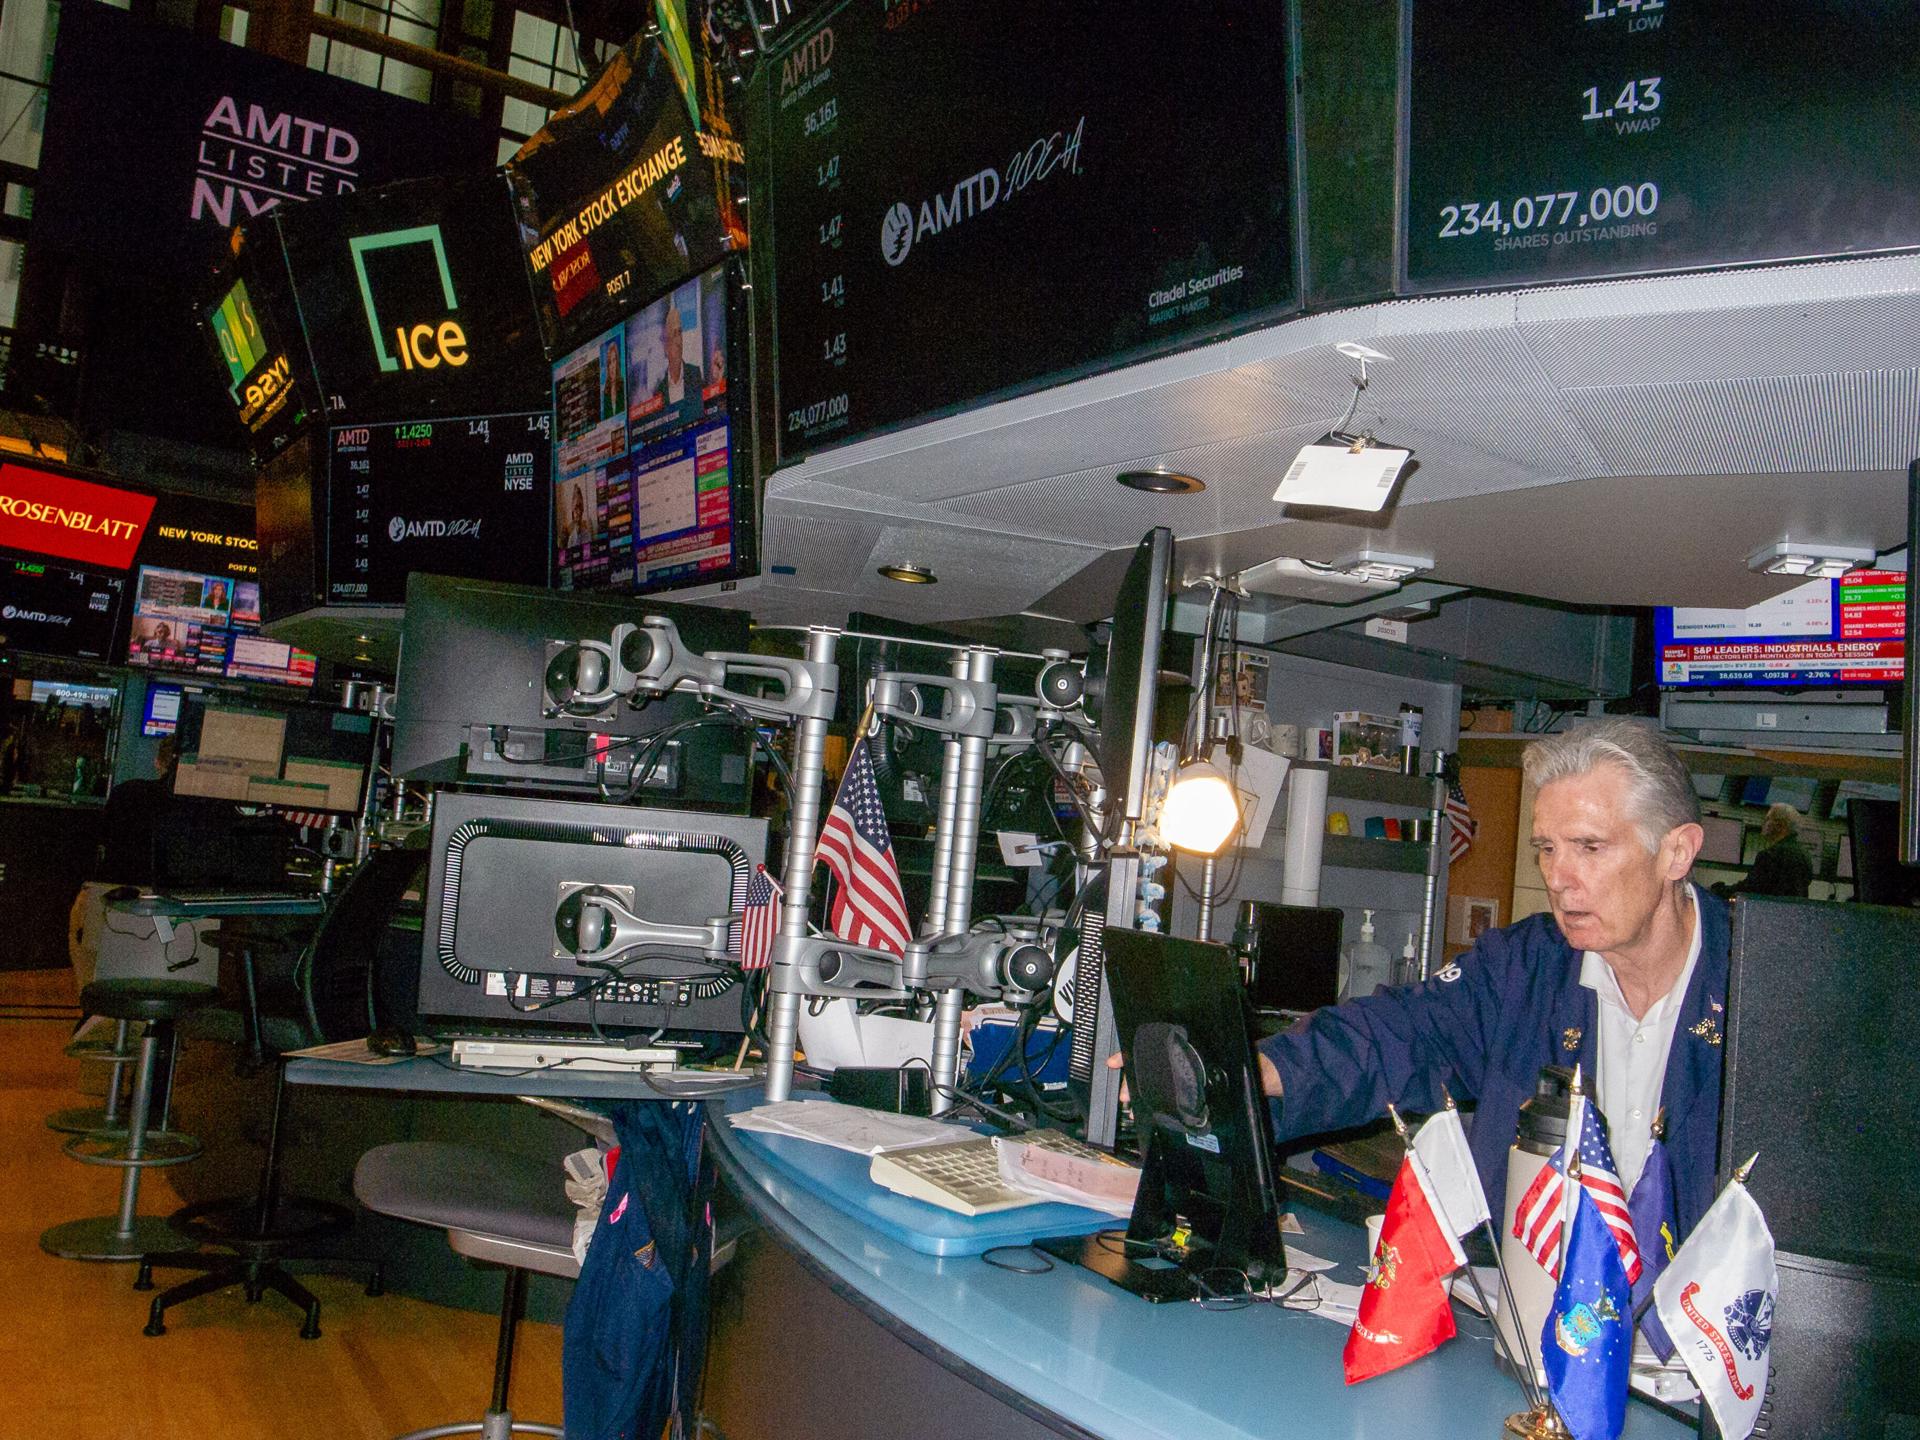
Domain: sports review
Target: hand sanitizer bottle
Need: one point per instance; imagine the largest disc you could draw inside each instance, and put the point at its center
(1368, 963)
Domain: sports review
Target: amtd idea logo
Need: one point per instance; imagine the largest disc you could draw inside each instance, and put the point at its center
(399, 528)
(422, 346)
(903, 225)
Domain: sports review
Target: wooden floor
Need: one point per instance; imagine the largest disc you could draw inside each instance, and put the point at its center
(75, 1363)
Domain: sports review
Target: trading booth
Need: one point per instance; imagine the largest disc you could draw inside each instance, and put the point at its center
(962, 632)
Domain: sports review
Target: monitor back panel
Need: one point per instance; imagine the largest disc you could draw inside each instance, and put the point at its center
(1299, 956)
(501, 866)
(1821, 1075)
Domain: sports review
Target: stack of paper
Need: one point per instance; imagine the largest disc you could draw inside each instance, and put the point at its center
(847, 1127)
(1096, 1181)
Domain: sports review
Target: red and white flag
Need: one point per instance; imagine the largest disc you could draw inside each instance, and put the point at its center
(759, 921)
(868, 906)
(1405, 1311)
(1461, 826)
(1716, 1299)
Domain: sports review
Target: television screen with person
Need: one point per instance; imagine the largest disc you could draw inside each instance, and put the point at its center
(184, 621)
(648, 491)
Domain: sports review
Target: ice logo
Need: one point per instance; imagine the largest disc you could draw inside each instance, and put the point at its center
(396, 529)
(1750, 1323)
(896, 233)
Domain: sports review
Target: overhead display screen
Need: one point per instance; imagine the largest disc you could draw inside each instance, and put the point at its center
(252, 325)
(1849, 631)
(467, 497)
(200, 624)
(54, 609)
(635, 184)
(647, 493)
(1121, 185)
(414, 301)
(1613, 137)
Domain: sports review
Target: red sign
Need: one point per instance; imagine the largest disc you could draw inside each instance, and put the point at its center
(50, 514)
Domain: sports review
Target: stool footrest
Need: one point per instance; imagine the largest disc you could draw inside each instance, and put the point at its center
(87, 1120)
(111, 1147)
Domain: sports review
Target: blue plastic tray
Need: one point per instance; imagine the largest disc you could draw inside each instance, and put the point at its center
(840, 1177)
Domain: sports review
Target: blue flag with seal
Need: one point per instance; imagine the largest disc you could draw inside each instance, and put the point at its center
(1655, 1227)
(1587, 1340)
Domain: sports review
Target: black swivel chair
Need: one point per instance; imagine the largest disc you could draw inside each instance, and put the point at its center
(333, 1000)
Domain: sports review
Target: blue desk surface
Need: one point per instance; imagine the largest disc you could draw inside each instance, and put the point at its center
(438, 1074)
(1122, 1369)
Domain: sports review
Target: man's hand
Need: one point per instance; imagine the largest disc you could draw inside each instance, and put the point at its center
(1269, 1077)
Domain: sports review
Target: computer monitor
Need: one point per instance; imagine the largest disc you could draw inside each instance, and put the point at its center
(495, 961)
(188, 622)
(306, 759)
(1297, 957)
(1725, 841)
(1879, 878)
(1206, 1220)
(1122, 683)
(161, 713)
(1818, 1078)
(471, 703)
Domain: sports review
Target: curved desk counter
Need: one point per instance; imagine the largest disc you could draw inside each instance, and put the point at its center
(824, 1325)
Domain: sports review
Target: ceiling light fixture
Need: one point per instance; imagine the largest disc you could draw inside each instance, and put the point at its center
(1160, 481)
(910, 574)
(1814, 559)
(1380, 568)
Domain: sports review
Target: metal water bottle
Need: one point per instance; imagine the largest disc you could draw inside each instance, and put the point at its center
(1542, 1130)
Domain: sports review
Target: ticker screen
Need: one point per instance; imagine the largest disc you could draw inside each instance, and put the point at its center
(466, 497)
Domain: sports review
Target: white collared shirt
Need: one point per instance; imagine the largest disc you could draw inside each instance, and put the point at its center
(1631, 1055)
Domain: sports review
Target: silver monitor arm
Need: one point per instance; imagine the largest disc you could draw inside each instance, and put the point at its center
(651, 659)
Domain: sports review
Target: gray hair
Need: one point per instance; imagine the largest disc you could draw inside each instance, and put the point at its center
(1660, 793)
(1782, 820)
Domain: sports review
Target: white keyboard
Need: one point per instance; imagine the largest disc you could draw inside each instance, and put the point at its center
(964, 1176)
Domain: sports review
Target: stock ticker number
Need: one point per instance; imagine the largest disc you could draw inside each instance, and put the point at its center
(1550, 210)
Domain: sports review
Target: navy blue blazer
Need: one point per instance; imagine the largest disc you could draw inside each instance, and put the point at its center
(1483, 1027)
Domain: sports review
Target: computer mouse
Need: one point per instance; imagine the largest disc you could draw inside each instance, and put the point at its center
(389, 1041)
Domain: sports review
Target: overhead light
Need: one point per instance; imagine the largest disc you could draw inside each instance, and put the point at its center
(910, 574)
(1201, 811)
(1380, 568)
(1814, 559)
(1160, 481)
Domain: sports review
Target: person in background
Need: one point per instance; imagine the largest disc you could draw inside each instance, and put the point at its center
(1782, 867)
(129, 825)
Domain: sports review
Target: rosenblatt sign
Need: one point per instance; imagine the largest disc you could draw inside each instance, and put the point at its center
(74, 519)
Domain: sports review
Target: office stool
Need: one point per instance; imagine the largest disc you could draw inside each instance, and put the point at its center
(124, 1236)
(496, 1208)
(85, 1119)
(258, 1236)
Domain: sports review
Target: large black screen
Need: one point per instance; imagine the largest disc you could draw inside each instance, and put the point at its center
(1607, 137)
(970, 199)
(54, 609)
(467, 497)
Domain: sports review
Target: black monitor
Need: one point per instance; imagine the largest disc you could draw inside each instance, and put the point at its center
(1873, 828)
(1121, 685)
(1206, 1219)
(1297, 956)
(1819, 1079)
(471, 702)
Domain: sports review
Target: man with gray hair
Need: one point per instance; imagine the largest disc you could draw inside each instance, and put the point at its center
(1626, 976)
(1783, 866)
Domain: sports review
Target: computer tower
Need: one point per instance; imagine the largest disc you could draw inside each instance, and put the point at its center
(493, 963)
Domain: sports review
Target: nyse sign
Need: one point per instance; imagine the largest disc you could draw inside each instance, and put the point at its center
(258, 156)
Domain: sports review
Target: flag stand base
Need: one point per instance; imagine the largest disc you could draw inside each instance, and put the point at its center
(1541, 1424)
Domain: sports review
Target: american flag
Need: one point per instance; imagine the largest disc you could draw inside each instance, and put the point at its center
(1461, 826)
(868, 906)
(759, 921)
(1536, 1219)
